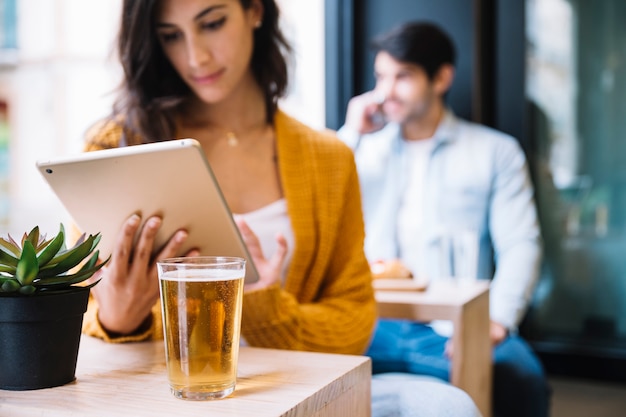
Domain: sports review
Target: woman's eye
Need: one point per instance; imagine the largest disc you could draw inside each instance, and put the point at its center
(214, 24)
(169, 37)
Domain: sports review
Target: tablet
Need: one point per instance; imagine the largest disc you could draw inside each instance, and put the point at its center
(172, 179)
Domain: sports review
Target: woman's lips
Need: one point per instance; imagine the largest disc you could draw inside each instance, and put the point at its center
(207, 79)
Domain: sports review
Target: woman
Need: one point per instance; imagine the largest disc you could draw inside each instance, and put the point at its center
(214, 70)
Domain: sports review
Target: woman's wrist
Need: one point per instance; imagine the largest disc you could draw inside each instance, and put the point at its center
(127, 328)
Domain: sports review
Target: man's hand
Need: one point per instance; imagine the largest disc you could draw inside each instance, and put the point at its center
(497, 333)
(364, 113)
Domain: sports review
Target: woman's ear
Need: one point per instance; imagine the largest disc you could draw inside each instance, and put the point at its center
(443, 79)
(256, 11)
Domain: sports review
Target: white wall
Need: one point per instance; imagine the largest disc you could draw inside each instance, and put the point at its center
(57, 89)
(64, 79)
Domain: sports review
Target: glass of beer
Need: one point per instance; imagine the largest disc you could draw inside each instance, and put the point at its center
(201, 301)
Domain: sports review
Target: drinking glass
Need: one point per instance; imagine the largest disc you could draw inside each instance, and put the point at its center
(201, 300)
(457, 255)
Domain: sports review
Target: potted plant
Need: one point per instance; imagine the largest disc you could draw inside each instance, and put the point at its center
(42, 303)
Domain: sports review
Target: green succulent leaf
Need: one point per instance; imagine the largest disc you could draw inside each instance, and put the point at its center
(96, 241)
(51, 250)
(81, 239)
(10, 285)
(27, 267)
(7, 260)
(38, 265)
(43, 243)
(33, 237)
(93, 283)
(27, 290)
(83, 274)
(13, 241)
(93, 260)
(9, 247)
(68, 259)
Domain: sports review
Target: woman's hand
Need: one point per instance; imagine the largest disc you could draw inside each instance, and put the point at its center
(130, 286)
(268, 269)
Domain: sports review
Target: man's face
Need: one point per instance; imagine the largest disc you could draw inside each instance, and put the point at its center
(409, 93)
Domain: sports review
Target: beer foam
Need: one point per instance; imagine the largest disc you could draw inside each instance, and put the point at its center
(201, 275)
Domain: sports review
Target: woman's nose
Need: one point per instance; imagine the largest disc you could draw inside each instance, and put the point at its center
(197, 54)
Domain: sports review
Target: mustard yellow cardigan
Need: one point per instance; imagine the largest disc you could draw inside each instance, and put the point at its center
(327, 302)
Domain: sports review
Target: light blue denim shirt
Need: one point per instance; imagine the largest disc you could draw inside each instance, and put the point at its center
(477, 178)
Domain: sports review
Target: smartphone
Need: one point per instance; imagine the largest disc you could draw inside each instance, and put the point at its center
(378, 118)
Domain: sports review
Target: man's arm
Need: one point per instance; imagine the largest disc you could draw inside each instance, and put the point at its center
(516, 236)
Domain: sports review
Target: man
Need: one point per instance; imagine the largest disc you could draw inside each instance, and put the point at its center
(423, 170)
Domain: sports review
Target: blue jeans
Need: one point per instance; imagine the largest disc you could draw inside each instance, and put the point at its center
(520, 387)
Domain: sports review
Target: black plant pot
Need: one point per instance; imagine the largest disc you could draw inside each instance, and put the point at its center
(39, 339)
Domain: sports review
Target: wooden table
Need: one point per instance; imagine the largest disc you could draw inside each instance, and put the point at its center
(130, 380)
(467, 306)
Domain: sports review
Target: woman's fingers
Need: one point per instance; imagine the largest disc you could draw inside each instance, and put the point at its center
(123, 248)
(130, 286)
(278, 258)
(192, 252)
(145, 244)
(269, 269)
(173, 246)
(250, 239)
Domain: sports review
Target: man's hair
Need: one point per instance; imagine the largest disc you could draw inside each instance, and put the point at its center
(421, 43)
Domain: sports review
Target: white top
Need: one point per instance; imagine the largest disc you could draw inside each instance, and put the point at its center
(411, 210)
(266, 223)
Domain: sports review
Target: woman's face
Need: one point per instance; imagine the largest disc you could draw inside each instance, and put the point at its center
(209, 43)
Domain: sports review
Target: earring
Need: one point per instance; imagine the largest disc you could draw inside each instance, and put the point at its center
(258, 24)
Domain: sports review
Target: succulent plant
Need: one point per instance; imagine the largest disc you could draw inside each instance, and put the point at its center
(38, 266)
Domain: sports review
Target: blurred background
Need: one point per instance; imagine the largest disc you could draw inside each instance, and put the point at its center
(552, 73)
(58, 75)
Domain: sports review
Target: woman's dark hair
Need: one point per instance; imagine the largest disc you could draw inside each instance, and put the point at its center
(421, 43)
(152, 90)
